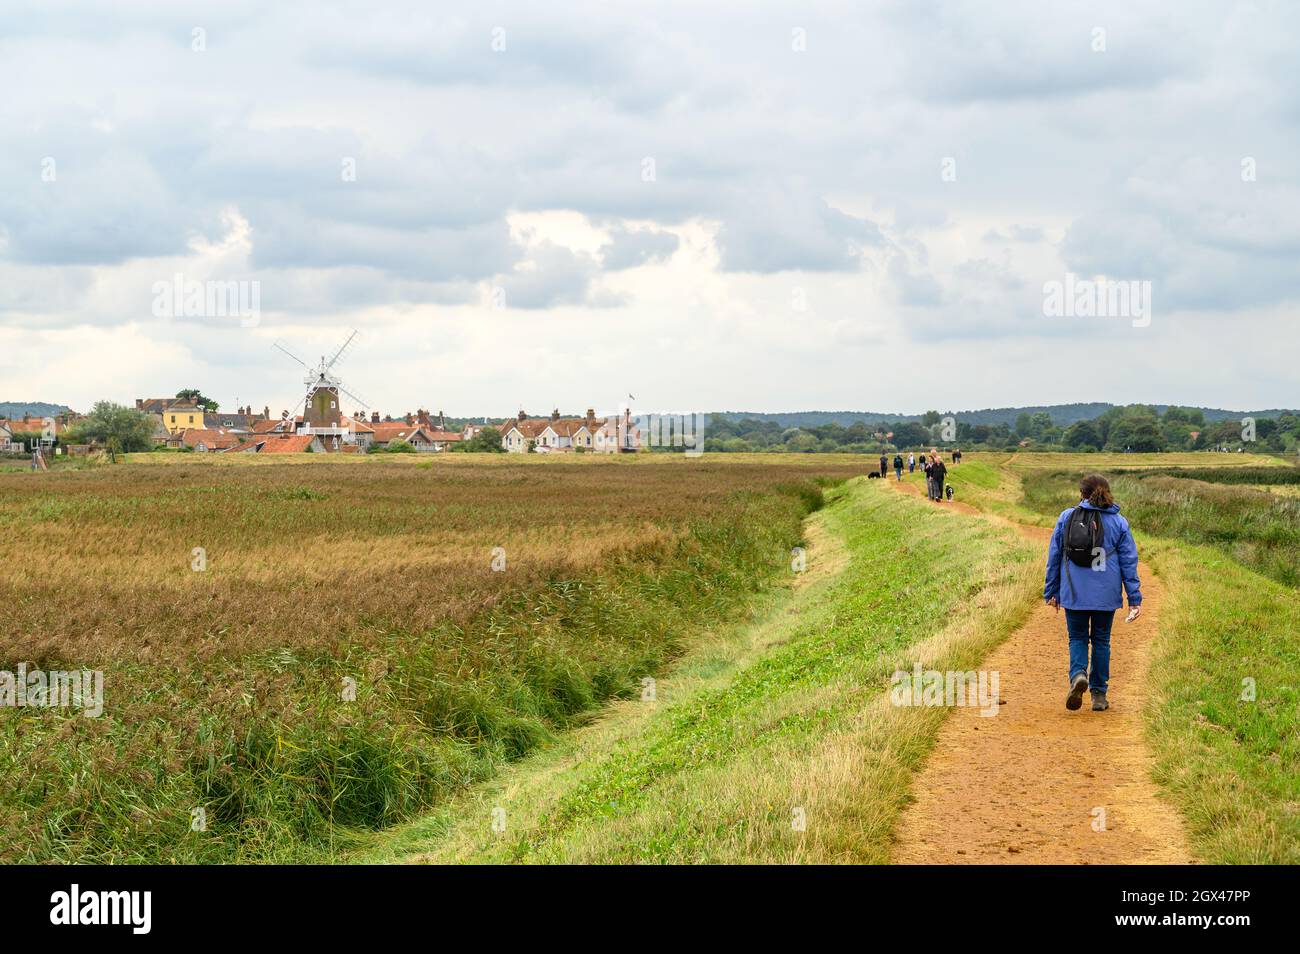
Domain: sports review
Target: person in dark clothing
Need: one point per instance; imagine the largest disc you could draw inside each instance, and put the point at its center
(937, 474)
(898, 466)
(884, 465)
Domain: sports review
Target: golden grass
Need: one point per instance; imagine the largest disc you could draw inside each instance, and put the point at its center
(222, 687)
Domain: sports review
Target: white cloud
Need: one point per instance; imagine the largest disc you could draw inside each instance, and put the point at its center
(781, 176)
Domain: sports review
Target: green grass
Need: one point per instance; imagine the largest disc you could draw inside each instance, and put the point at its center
(791, 714)
(1230, 557)
(1258, 529)
(1232, 765)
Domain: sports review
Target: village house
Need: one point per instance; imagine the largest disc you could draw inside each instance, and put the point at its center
(241, 421)
(7, 443)
(48, 429)
(160, 433)
(359, 432)
(417, 429)
(517, 435)
(177, 414)
(204, 439)
(563, 435)
(180, 417)
(388, 433)
(280, 444)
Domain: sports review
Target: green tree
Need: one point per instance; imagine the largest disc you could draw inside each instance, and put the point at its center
(1083, 435)
(486, 441)
(120, 429)
(910, 434)
(195, 397)
(1185, 415)
(1136, 431)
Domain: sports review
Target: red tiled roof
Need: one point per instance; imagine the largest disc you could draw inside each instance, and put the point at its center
(208, 437)
(275, 444)
(397, 431)
(297, 444)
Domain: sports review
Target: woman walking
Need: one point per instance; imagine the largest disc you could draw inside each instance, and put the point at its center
(1091, 563)
(938, 472)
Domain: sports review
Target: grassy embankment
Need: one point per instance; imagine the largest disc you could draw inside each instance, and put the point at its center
(770, 722)
(227, 689)
(1226, 677)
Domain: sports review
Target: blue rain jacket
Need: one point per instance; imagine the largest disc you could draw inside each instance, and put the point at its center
(1086, 588)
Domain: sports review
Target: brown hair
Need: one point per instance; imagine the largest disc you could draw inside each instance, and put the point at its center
(1096, 490)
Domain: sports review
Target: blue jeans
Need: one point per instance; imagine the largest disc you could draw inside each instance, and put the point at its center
(899, 472)
(1077, 623)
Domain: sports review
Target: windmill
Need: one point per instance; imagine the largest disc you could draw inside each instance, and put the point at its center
(322, 413)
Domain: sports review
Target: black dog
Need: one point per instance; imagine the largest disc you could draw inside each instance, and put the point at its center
(948, 491)
(873, 476)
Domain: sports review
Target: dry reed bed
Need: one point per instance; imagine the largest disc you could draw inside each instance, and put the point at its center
(222, 686)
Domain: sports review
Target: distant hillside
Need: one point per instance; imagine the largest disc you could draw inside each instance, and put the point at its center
(12, 409)
(1062, 415)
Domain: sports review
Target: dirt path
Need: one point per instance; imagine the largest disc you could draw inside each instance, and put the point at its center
(1030, 784)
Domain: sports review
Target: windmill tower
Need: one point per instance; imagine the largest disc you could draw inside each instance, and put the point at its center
(322, 408)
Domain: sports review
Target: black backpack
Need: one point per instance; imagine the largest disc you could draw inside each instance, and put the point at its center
(1083, 536)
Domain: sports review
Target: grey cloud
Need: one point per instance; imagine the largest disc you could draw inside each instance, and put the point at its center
(630, 248)
(290, 241)
(777, 230)
(551, 276)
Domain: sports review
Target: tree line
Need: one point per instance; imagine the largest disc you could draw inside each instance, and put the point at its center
(1136, 428)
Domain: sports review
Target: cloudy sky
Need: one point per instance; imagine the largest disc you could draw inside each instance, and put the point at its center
(720, 206)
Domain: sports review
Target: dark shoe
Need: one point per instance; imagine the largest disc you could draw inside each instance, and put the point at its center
(1099, 703)
(1077, 686)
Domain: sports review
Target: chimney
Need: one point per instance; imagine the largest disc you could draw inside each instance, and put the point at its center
(522, 415)
(409, 419)
(442, 421)
(266, 412)
(139, 404)
(374, 417)
(423, 417)
(555, 415)
(591, 414)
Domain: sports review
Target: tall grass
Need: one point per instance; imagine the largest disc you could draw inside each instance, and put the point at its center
(1256, 528)
(230, 691)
